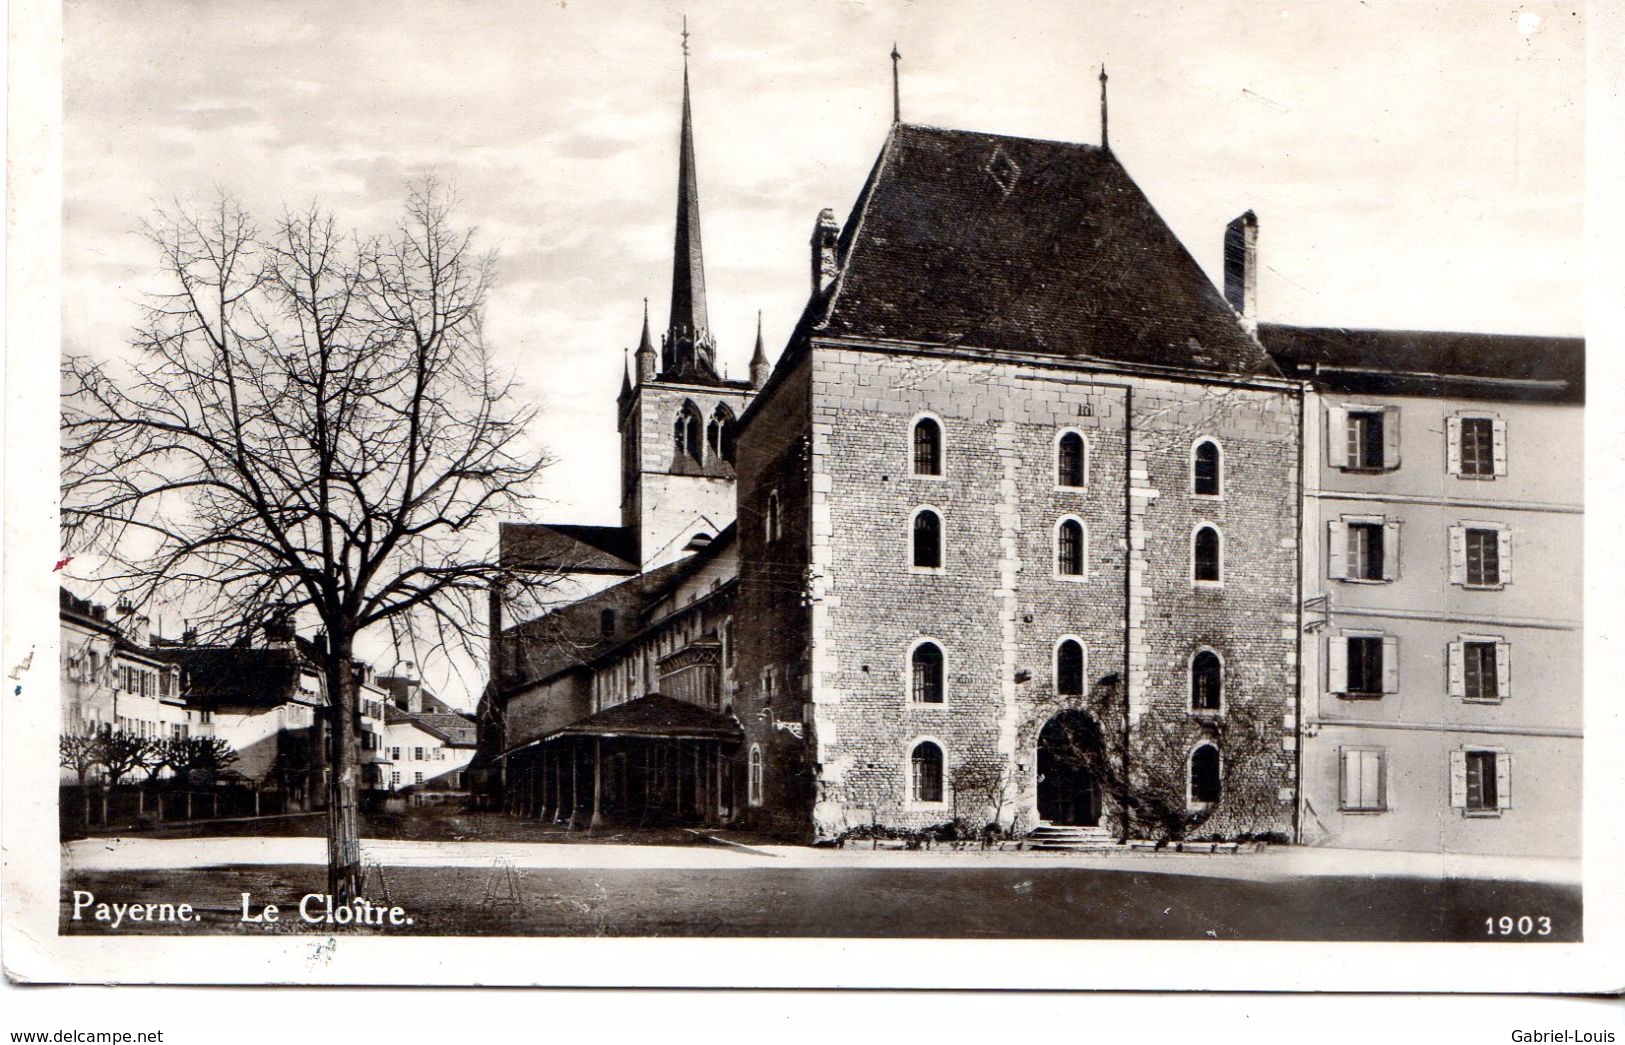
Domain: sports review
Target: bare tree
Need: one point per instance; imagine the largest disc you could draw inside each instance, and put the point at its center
(122, 752)
(199, 759)
(1144, 768)
(310, 430)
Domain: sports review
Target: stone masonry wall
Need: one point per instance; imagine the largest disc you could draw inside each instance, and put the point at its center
(772, 619)
(998, 609)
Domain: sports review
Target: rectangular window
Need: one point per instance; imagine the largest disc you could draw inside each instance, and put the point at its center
(395, 778)
(417, 754)
(1482, 792)
(1365, 432)
(1479, 673)
(417, 778)
(1362, 783)
(1364, 665)
(1483, 557)
(1477, 446)
(1365, 560)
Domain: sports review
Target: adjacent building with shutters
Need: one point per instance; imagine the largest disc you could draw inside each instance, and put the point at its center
(1442, 541)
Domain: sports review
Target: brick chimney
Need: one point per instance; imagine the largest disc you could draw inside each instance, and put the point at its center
(279, 634)
(1241, 268)
(824, 236)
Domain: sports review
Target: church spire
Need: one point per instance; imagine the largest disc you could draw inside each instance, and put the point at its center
(647, 362)
(758, 359)
(689, 350)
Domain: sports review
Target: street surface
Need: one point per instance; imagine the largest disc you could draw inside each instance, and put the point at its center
(556, 889)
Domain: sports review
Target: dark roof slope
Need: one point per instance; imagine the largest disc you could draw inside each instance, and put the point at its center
(456, 729)
(655, 715)
(1432, 363)
(246, 677)
(569, 548)
(1013, 244)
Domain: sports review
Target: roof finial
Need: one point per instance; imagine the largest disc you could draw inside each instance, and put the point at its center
(1104, 143)
(896, 94)
(685, 39)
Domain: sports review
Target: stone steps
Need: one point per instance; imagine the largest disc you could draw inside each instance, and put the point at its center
(1075, 839)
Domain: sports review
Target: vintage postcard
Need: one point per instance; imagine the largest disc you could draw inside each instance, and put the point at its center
(1103, 503)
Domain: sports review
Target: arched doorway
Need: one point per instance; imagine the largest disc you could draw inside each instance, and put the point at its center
(1068, 793)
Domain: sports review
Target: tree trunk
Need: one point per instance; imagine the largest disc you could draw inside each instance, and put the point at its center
(343, 822)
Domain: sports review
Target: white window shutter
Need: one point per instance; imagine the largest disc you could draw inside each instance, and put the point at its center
(1390, 664)
(1458, 555)
(1503, 669)
(1458, 779)
(1337, 437)
(1503, 780)
(1337, 664)
(1452, 445)
(1500, 447)
(1390, 437)
(1504, 546)
(1337, 548)
(1390, 550)
(1455, 669)
(1350, 762)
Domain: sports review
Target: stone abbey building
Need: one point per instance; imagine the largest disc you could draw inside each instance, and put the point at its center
(1013, 531)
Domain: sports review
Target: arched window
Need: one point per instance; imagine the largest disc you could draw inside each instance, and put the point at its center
(927, 447)
(754, 777)
(1205, 774)
(606, 623)
(688, 432)
(719, 434)
(926, 673)
(927, 540)
(1207, 556)
(925, 772)
(770, 521)
(1069, 668)
(1069, 548)
(1071, 460)
(1206, 469)
(1207, 681)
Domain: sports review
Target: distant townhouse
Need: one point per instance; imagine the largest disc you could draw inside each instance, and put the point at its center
(1443, 571)
(267, 702)
(425, 744)
(113, 680)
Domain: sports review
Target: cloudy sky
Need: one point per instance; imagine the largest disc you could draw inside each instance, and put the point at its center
(1412, 164)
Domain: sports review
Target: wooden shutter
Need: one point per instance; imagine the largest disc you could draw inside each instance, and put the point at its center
(1337, 437)
(1503, 539)
(1337, 550)
(1390, 664)
(1503, 669)
(1390, 437)
(1500, 447)
(1452, 445)
(1350, 763)
(1337, 664)
(1455, 671)
(1458, 555)
(1458, 779)
(1390, 549)
(1503, 780)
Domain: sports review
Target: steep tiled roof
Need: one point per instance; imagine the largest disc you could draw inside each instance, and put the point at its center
(655, 715)
(569, 548)
(1013, 244)
(456, 729)
(1436, 363)
(216, 676)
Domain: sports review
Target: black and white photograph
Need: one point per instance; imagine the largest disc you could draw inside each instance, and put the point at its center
(1084, 488)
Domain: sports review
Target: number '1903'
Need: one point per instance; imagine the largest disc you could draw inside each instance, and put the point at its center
(1506, 925)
